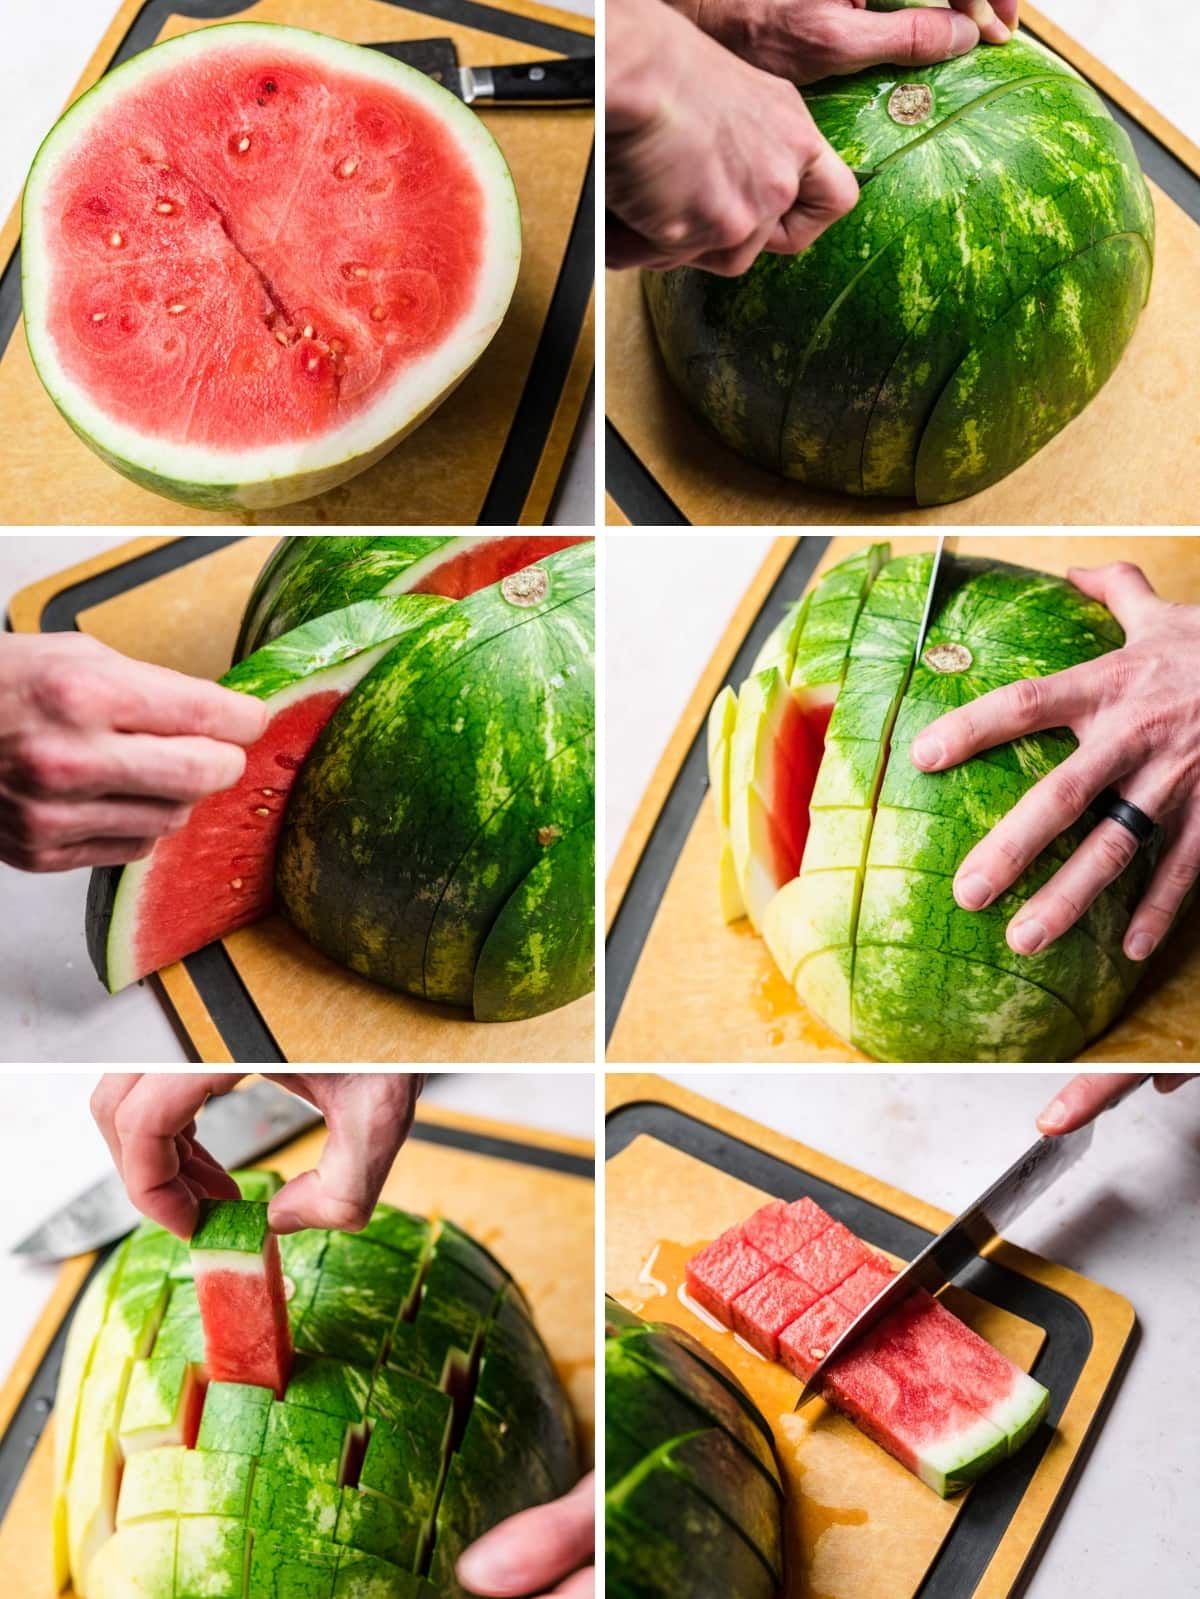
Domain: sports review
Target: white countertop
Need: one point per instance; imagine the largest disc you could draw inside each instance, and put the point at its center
(1128, 1216)
(46, 49)
(50, 1150)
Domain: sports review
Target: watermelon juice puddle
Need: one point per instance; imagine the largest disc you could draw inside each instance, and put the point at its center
(660, 1294)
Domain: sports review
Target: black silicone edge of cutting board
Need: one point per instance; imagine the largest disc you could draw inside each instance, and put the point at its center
(216, 979)
(31, 1415)
(980, 1527)
(648, 883)
(513, 477)
(634, 487)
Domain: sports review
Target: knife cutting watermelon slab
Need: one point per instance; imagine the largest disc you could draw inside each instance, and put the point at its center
(255, 257)
(243, 1303)
(923, 1385)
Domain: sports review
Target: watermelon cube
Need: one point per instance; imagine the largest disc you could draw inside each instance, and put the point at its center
(211, 1558)
(331, 1386)
(347, 1320)
(150, 1486)
(212, 1484)
(235, 1418)
(162, 1405)
(722, 1271)
(292, 1565)
(779, 1230)
(287, 1502)
(379, 1526)
(365, 1576)
(138, 1563)
(830, 1258)
(773, 1303)
(181, 1334)
(239, 1283)
(804, 1344)
(864, 1285)
(307, 1442)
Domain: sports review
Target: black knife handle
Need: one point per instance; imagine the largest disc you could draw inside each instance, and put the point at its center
(570, 79)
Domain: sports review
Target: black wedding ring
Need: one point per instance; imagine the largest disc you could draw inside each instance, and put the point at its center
(1132, 819)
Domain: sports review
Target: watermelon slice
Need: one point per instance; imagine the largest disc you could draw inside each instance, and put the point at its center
(162, 1405)
(218, 873)
(239, 1283)
(256, 257)
(305, 577)
(923, 1385)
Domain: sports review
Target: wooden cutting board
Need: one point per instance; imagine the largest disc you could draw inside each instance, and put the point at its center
(683, 986)
(264, 994)
(490, 1177)
(493, 452)
(680, 1170)
(1131, 459)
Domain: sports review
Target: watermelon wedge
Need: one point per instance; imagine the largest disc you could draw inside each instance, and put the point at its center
(218, 874)
(243, 1304)
(255, 258)
(308, 577)
(922, 1385)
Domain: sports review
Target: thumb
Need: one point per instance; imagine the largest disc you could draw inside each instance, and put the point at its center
(1123, 587)
(917, 38)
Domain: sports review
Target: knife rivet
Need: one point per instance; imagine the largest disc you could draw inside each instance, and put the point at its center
(536, 74)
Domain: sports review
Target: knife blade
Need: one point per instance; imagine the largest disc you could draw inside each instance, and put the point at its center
(930, 594)
(236, 1128)
(979, 1226)
(559, 80)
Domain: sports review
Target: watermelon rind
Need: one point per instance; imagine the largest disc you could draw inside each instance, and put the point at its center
(330, 654)
(693, 1497)
(434, 788)
(366, 1479)
(976, 299)
(275, 475)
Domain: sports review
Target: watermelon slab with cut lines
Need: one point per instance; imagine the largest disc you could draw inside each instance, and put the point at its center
(255, 257)
(923, 1385)
(421, 1407)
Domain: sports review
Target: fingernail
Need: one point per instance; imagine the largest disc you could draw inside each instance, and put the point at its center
(1026, 937)
(928, 751)
(1140, 946)
(972, 891)
(1054, 1116)
(479, 1567)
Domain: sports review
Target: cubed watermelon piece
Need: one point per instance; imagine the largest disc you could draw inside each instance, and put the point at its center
(830, 1258)
(722, 1271)
(779, 1231)
(150, 1486)
(291, 1503)
(234, 1420)
(162, 1405)
(212, 1484)
(773, 1303)
(243, 1304)
(292, 1565)
(211, 1559)
(864, 1285)
(333, 1387)
(307, 1443)
(804, 1344)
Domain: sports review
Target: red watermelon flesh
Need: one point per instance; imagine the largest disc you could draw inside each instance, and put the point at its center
(251, 250)
(719, 1273)
(229, 845)
(779, 1230)
(478, 562)
(243, 1305)
(773, 1303)
(830, 1258)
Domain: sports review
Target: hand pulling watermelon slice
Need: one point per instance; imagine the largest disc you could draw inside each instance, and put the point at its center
(922, 1385)
(239, 1282)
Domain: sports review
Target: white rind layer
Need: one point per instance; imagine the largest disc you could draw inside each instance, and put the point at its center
(257, 476)
(1015, 1414)
(944, 1460)
(244, 1263)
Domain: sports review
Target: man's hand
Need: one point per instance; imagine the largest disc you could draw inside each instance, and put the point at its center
(149, 1124)
(1136, 714)
(540, 1551)
(100, 755)
(709, 160)
(804, 40)
(1084, 1098)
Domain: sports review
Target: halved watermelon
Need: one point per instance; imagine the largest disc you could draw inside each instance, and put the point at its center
(923, 1385)
(255, 257)
(239, 1283)
(218, 874)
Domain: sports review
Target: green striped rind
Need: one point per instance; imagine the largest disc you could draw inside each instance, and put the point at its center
(975, 300)
(541, 949)
(238, 1225)
(693, 1497)
(264, 1483)
(305, 578)
(482, 722)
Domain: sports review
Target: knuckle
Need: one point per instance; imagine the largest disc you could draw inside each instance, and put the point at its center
(1067, 792)
(64, 694)
(1010, 851)
(44, 766)
(1116, 847)
(126, 1119)
(1027, 696)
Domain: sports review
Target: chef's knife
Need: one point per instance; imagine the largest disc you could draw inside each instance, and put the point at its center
(559, 80)
(1038, 1169)
(237, 1129)
(930, 595)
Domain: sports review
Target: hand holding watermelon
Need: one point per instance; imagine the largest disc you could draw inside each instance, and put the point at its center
(149, 1124)
(100, 755)
(532, 1553)
(709, 160)
(1136, 716)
